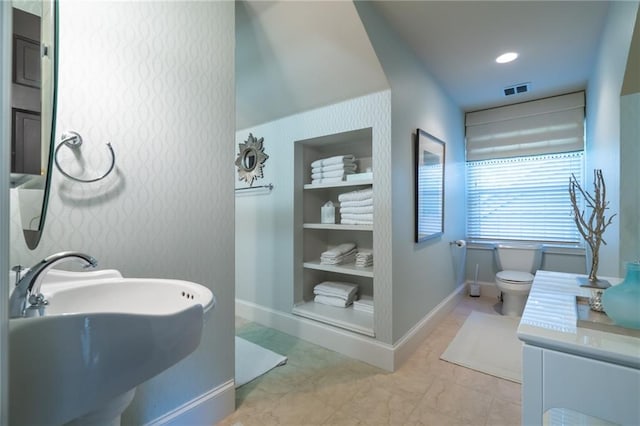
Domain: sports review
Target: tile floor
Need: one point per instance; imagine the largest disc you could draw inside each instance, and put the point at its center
(321, 387)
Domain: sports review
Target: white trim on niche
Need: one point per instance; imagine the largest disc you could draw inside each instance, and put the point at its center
(366, 349)
(207, 409)
(347, 343)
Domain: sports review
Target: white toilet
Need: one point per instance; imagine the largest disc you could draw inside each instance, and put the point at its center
(517, 264)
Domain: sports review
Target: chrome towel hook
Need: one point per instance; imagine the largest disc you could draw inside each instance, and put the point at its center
(73, 140)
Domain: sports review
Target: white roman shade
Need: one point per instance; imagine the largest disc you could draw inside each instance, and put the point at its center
(544, 126)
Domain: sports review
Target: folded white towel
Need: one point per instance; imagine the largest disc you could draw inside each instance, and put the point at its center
(357, 216)
(332, 167)
(338, 159)
(364, 300)
(333, 256)
(332, 301)
(327, 180)
(364, 259)
(331, 174)
(356, 210)
(359, 195)
(361, 203)
(363, 304)
(356, 222)
(340, 249)
(347, 258)
(336, 289)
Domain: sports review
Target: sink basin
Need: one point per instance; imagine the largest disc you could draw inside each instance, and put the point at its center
(100, 336)
(126, 295)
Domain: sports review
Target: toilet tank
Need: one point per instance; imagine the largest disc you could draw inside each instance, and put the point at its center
(519, 257)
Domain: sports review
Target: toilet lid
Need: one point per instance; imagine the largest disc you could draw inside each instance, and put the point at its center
(515, 276)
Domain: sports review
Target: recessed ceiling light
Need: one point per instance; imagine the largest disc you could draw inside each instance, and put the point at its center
(506, 57)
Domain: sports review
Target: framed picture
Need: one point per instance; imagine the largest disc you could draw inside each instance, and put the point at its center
(429, 173)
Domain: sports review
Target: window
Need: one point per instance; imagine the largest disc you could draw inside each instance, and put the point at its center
(519, 161)
(523, 198)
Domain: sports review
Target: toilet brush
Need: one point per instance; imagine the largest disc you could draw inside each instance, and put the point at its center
(474, 289)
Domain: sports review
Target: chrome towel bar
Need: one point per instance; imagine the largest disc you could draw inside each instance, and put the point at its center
(73, 140)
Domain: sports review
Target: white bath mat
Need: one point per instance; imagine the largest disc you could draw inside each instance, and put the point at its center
(489, 344)
(253, 361)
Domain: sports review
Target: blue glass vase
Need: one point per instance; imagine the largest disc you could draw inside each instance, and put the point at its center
(622, 302)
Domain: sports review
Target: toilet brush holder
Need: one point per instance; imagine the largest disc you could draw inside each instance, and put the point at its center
(474, 288)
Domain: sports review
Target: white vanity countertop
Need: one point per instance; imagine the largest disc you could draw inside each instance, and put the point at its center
(550, 317)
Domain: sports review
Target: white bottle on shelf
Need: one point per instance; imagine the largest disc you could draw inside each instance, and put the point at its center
(328, 213)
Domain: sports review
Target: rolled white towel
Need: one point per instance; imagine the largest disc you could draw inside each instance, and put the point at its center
(361, 203)
(332, 301)
(333, 167)
(359, 195)
(340, 249)
(356, 210)
(357, 216)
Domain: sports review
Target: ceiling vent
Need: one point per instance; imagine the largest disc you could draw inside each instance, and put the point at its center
(517, 89)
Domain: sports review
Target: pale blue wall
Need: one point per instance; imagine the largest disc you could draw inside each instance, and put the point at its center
(603, 121)
(423, 274)
(630, 177)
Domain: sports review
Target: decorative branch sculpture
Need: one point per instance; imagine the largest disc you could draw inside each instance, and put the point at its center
(591, 228)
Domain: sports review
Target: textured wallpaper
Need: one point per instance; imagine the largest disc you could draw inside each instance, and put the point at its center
(156, 79)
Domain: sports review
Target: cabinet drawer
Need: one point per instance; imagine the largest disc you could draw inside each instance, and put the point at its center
(596, 388)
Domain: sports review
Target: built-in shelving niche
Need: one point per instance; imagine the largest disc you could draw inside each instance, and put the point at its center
(313, 237)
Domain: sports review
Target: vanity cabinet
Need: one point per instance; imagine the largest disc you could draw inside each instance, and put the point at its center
(311, 237)
(572, 372)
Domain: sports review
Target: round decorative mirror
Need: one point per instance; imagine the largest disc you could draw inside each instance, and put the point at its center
(250, 160)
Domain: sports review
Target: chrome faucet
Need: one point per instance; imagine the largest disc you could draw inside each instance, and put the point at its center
(28, 288)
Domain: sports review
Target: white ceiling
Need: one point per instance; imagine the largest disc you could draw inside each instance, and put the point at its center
(458, 42)
(292, 56)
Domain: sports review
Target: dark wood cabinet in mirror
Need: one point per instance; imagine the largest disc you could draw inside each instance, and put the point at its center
(33, 93)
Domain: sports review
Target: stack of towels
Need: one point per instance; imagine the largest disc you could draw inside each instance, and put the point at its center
(364, 304)
(344, 253)
(333, 169)
(335, 293)
(356, 207)
(364, 259)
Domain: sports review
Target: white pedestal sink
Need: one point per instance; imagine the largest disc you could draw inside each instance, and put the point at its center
(99, 337)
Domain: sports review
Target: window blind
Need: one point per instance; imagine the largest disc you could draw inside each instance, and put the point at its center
(523, 198)
(544, 126)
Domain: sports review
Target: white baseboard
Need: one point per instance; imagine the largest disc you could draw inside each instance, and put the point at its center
(408, 344)
(206, 409)
(363, 348)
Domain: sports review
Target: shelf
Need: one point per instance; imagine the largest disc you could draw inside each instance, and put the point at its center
(347, 318)
(338, 226)
(338, 184)
(348, 269)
